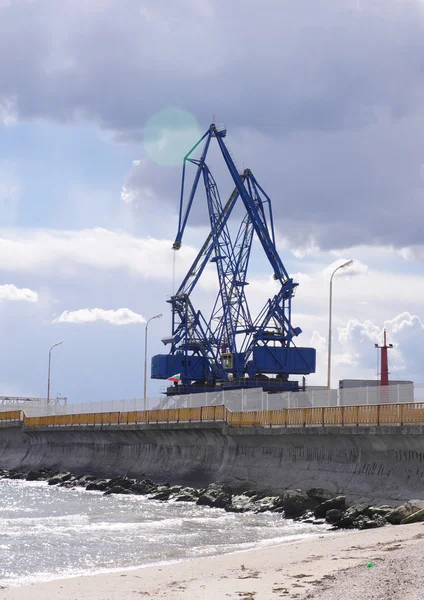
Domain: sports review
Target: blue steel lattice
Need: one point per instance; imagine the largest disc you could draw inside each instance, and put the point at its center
(230, 345)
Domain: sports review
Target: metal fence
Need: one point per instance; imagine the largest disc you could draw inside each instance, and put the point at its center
(341, 416)
(243, 400)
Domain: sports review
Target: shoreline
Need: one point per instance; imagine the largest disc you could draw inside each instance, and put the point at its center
(266, 544)
(296, 569)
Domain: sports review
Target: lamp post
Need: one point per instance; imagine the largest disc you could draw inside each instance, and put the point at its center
(48, 378)
(145, 355)
(346, 264)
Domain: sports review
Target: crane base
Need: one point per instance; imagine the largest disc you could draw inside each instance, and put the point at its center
(270, 385)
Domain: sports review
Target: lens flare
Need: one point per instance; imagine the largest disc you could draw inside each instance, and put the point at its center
(169, 135)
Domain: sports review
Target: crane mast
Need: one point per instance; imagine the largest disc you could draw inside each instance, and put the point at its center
(229, 348)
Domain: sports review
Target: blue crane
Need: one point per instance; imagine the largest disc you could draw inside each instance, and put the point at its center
(229, 348)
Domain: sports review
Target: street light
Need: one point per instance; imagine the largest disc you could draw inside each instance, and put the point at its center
(48, 379)
(145, 355)
(344, 265)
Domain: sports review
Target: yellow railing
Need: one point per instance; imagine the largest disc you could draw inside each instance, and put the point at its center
(10, 416)
(372, 415)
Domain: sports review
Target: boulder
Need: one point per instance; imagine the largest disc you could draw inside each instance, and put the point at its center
(161, 488)
(122, 482)
(416, 517)
(216, 496)
(97, 486)
(14, 475)
(333, 515)
(381, 511)
(339, 503)
(320, 495)
(86, 479)
(141, 489)
(163, 495)
(348, 517)
(35, 476)
(146, 481)
(397, 515)
(295, 503)
(116, 489)
(59, 478)
(186, 498)
(187, 494)
(269, 503)
(364, 522)
(71, 483)
(242, 504)
(251, 494)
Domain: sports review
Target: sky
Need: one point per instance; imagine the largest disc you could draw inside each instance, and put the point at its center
(100, 101)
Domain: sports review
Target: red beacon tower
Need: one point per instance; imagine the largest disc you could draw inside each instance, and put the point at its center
(384, 361)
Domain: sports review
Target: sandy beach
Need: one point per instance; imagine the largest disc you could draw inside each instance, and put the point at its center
(326, 567)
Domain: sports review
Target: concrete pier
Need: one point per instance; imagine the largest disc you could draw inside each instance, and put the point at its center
(381, 464)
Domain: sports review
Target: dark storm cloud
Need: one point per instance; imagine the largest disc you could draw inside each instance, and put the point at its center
(330, 90)
(276, 65)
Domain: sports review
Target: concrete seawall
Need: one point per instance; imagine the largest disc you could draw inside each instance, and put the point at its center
(383, 464)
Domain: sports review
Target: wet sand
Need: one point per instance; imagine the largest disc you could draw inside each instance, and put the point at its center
(326, 567)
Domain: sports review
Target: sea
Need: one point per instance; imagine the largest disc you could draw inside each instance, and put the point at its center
(50, 533)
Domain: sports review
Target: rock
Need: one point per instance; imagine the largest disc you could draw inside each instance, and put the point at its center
(71, 483)
(364, 522)
(146, 481)
(163, 495)
(185, 498)
(416, 517)
(122, 482)
(381, 511)
(352, 513)
(116, 489)
(251, 494)
(295, 503)
(35, 476)
(15, 475)
(397, 515)
(268, 503)
(320, 495)
(187, 494)
(333, 515)
(59, 478)
(85, 479)
(97, 486)
(242, 504)
(141, 489)
(216, 496)
(162, 488)
(339, 503)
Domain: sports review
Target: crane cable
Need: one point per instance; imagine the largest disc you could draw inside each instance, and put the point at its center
(173, 271)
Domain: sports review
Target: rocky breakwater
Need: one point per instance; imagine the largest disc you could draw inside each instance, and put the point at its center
(316, 505)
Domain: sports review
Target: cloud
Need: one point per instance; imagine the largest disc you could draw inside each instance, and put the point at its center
(41, 251)
(10, 192)
(327, 65)
(148, 183)
(7, 111)
(121, 316)
(11, 293)
(335, 140)
(357, 268)
(406, 333)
